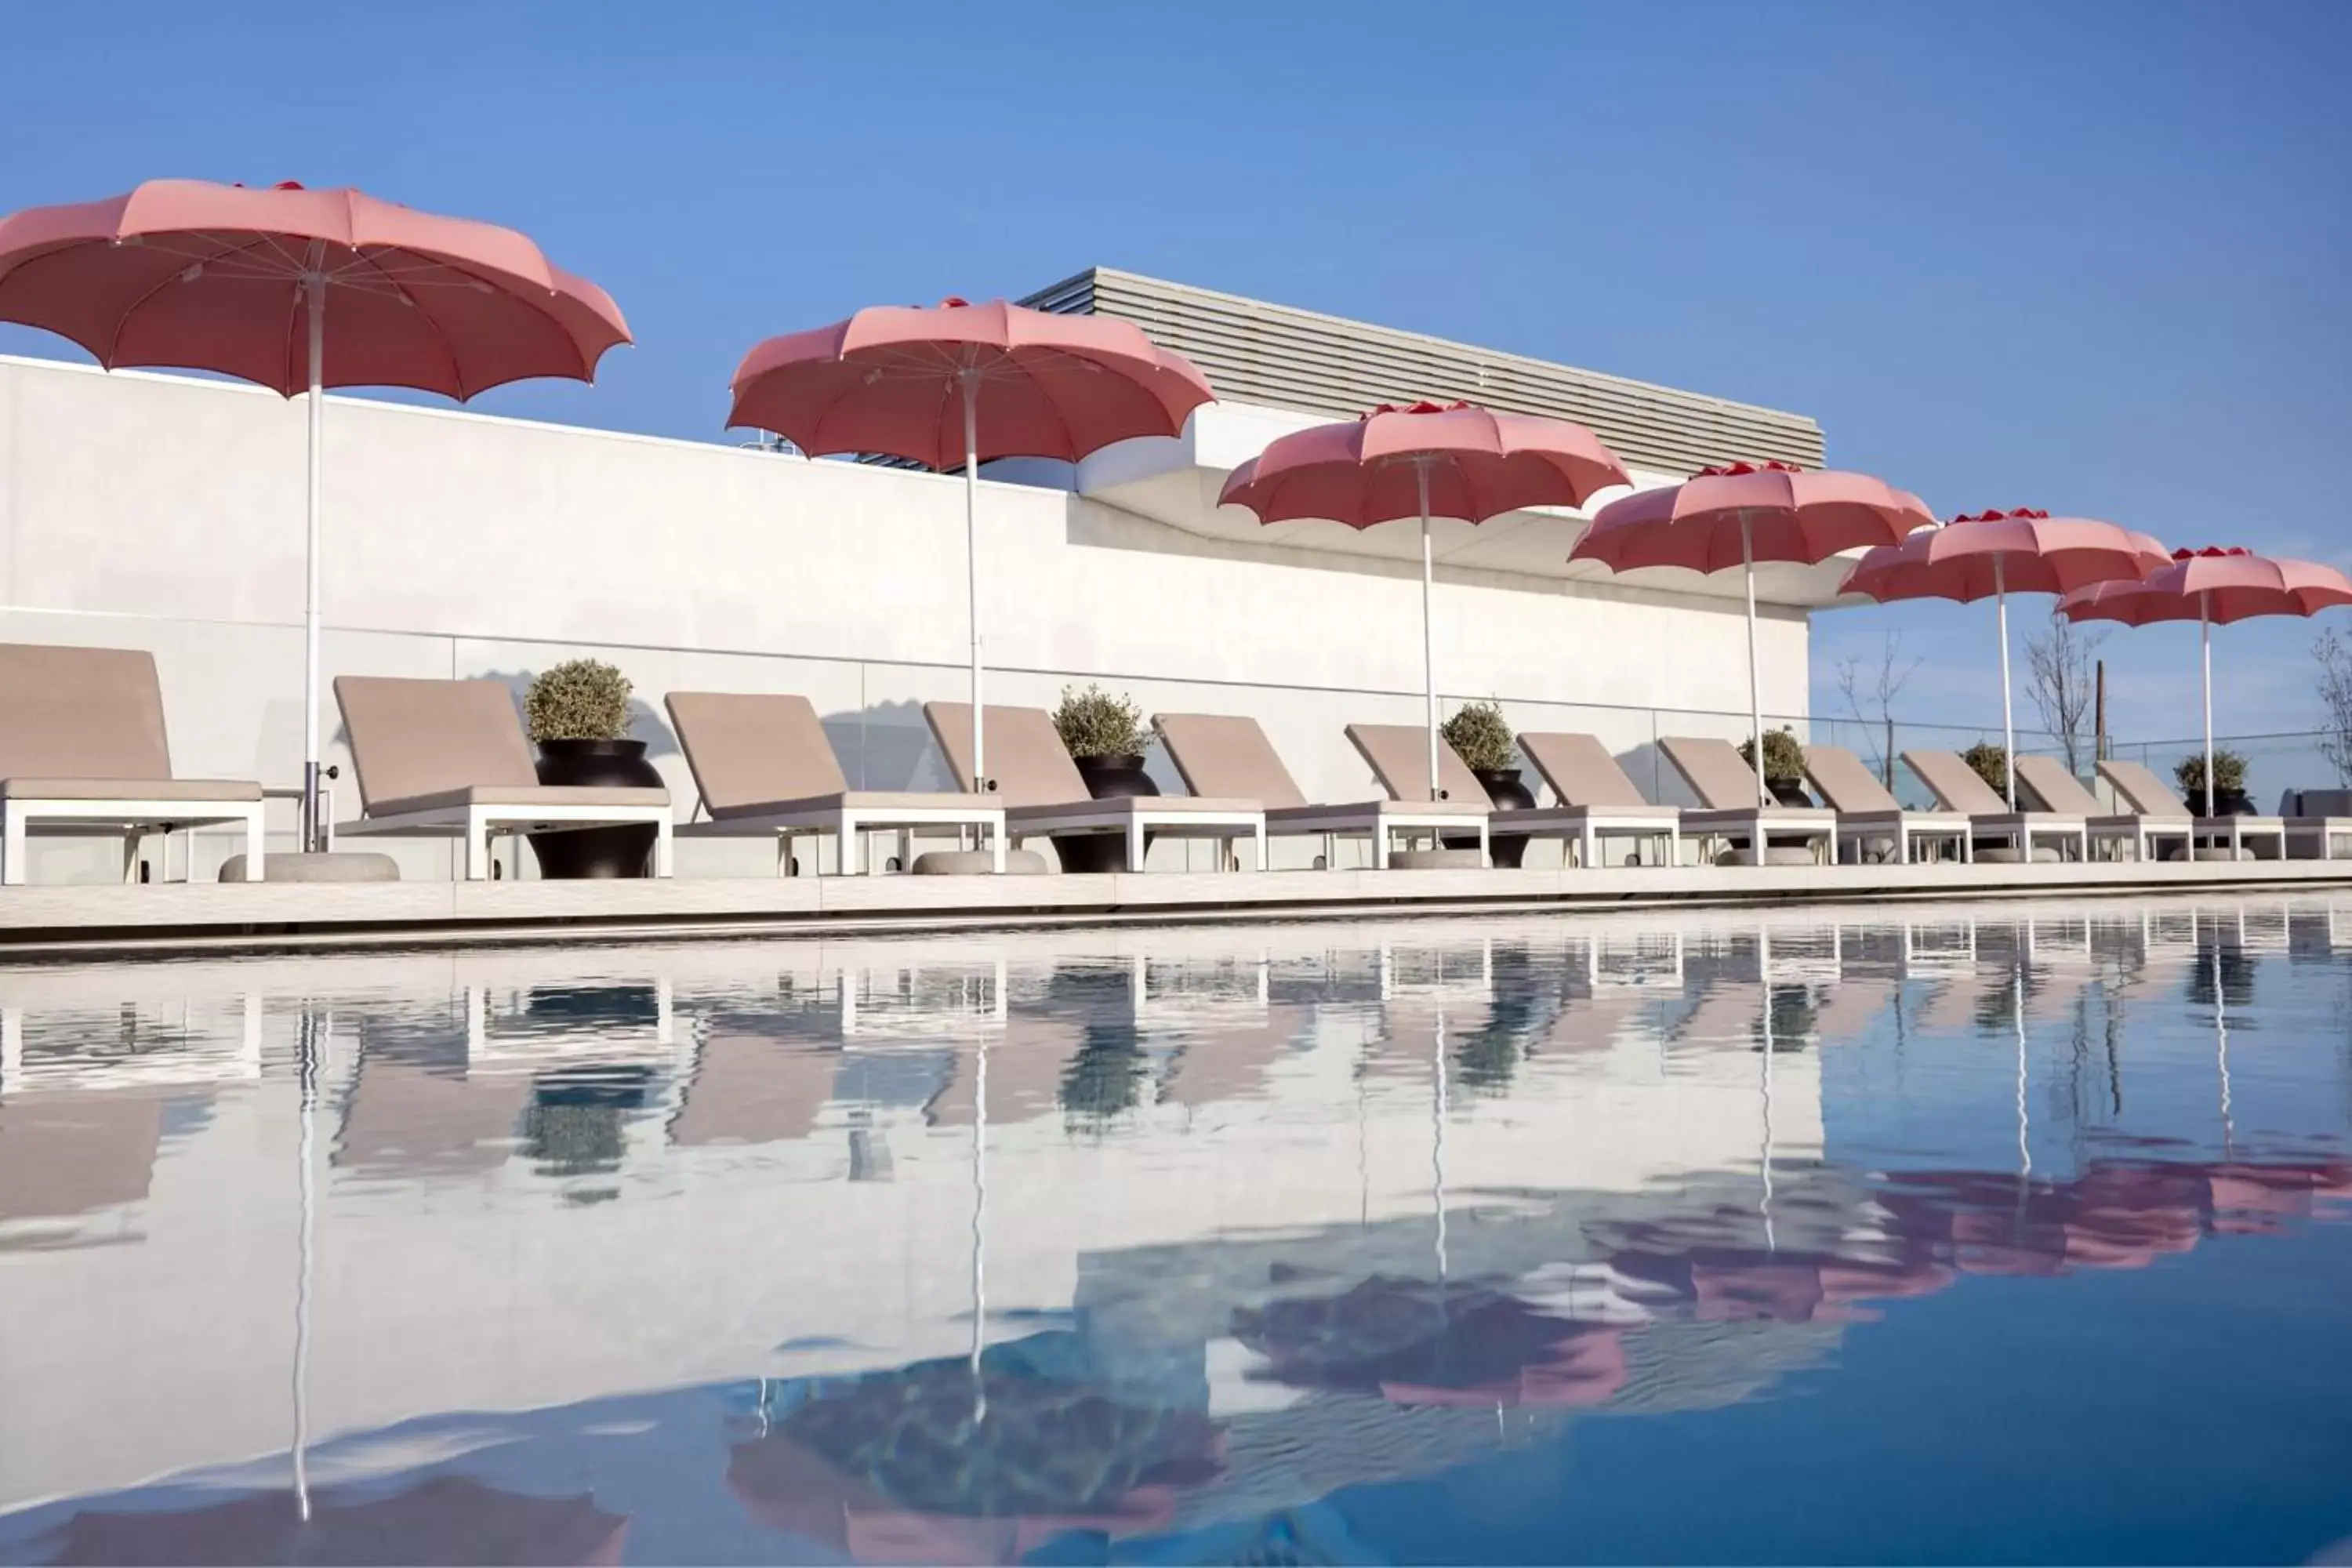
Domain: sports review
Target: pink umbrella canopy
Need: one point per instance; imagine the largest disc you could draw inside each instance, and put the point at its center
(1424, 459)
(2018, 551)
(1479, 464)
(190, 275)
(1996, 554)
(2207, 586)
(2213, 585)
(1786, 514)
(1745, 513)
(961, 383)
(894, 379)
(299, 290)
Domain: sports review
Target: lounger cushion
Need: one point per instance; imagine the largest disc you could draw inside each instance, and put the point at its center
(750, 751)
(2046, 782)
(80, 713)
(1845, 785)
(1026, 759)
(858, 800)
(1581, 772)
(209, 791)
(524, 795)
(419, 740)
(1226, 754)
(1399, 755)
(1712, 770)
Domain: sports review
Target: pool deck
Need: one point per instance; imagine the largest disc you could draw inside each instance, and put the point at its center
(44, 923)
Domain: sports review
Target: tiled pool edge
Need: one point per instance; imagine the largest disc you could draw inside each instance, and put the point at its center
(42, 922)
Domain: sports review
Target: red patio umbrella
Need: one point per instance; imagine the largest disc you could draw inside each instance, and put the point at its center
(2212, 586)
(1425, 460)
(1746, 513)
(963, 383)
(1997, 553)
(196, 276)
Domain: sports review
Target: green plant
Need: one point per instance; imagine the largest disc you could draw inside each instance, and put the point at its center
(1988, 762)
(1784, 756)
(1093, 723)
(579, 699)
(1481, 735)
(2229, 774)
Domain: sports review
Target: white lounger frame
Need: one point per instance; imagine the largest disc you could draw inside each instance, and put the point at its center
(1906, 828)
(848, 827)
(1228, 827)
(2022, 828)
(1586, 830)
(478, 826)
(130, 820)
(1818, 826)
(2319, 832)
(1377, 822)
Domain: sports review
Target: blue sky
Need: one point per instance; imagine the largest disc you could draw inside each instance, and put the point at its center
(2089, 256)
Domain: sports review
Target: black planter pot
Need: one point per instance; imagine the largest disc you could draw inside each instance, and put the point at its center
(2226, 802)
(1108, 778)
(586, 852)
(1505, 790)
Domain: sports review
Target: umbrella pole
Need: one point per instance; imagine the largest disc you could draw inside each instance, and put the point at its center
(1428, 640)
(2205, 649)
(313, 831)
(970, 379)
(1755, 683)
(2008, 724)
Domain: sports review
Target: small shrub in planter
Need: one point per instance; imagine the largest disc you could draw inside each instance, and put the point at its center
(579, 699)
(1991, 763)
(2229, 776)
(1784, 756)
(1093, 723)
(1482, 736)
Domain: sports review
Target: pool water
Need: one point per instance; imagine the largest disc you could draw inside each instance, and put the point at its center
(2004, 1232)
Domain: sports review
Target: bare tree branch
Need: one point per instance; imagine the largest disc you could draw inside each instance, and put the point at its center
(2060, 681)
(1872, 701)
(2335, 659)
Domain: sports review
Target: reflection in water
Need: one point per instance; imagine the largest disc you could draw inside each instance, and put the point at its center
(1295, 1243)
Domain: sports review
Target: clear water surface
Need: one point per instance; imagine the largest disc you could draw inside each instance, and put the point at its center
(2006, 1233)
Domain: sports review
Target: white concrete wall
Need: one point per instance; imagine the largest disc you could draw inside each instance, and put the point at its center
(166, 513)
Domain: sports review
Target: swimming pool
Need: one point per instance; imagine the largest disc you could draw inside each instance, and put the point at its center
(1957, 1233)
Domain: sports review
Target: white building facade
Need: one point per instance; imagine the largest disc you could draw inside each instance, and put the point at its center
(166, 512)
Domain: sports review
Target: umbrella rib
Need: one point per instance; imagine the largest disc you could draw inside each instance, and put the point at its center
(114, 339)
(449, 349)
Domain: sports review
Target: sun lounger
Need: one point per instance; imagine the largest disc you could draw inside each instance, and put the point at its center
(1957, 787)
(1030, 772)
(764, 768)
(442, 759)
(83, 754)
(2049, 785)
(1867, 811)
(1398, 755)
(1596, 800)
(1725, 787)
(2141, 788)
(1220, 754)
